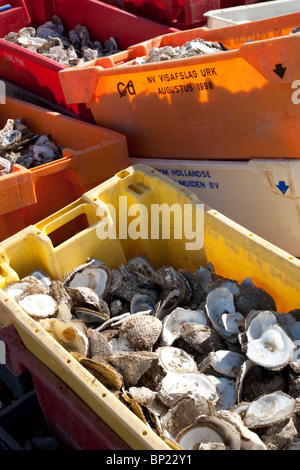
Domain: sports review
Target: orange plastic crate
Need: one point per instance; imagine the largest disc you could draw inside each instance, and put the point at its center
(234, 104)
(91, 155)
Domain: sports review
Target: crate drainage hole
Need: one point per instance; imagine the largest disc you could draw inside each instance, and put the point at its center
(68, 361)
(144, 433)
(103, 395)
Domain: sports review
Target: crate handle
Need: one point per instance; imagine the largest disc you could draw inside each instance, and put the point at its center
(63, 218)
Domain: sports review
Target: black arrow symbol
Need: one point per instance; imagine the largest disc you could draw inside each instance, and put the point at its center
(279, 70)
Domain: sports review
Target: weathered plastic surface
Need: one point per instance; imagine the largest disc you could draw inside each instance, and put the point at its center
(235, 104)
(39, 74)
(233, 250)
(91, 155)
(250, 12)
(260, 194)
(69, 419)
(182, 14)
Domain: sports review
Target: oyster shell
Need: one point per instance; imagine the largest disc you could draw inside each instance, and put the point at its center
(201, 338)
(268, 345)
(175, 386)
(104, 372)
(218, 302)
(66, 334)
(141, 331)
(254, 298)
(173, 321)
(175, 359)
(269, 409)
(209, 430)
(249, 439)
(183, 414)
(93, 274)
(227, 363)
(38, 305)
(132, 365)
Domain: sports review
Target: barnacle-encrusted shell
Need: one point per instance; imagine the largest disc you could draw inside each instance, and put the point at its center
(209, 429)
(173, 321)
(141, 331)
(269, 409)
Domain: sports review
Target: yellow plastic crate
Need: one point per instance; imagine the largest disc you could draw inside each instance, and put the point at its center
(233, 250)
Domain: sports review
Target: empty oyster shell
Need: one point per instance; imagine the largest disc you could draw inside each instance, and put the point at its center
(184, 413)
(249, 439)
(141, 331)
(225, 392)
(175, 386)
(218, 302)
(268, 345)
(269, 409)
(209, 429)
(14, 289)
(169, 280)
(67, 335)
(93, 274)
(173, 321)
(142, 302)
(227, 363)
(38, 305)
(175, 359)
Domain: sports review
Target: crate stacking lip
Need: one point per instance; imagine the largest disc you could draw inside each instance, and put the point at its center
(90, 155)
(234, 252)
(234, 104)
(249, 13)
(39, 74)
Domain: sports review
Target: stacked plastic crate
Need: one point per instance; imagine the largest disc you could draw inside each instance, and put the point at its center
(200, 121)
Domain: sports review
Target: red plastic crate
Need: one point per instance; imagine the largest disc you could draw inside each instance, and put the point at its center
(183, 14)
(40, 74)
(235, 3)
(69, 419)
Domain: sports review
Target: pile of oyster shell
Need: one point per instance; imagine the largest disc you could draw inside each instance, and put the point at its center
(50, 41)
(205, 362)
(18, 144)
(192, 48)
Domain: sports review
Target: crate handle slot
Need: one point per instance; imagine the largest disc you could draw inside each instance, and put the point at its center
(63, 218)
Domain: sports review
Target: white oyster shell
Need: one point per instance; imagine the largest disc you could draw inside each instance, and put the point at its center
(269, 409)
(175, 386)
(176, 359)
(218, 302)
(225, 390)
(209, 430)
(268, 344)
(173, 321)
(227, 363)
